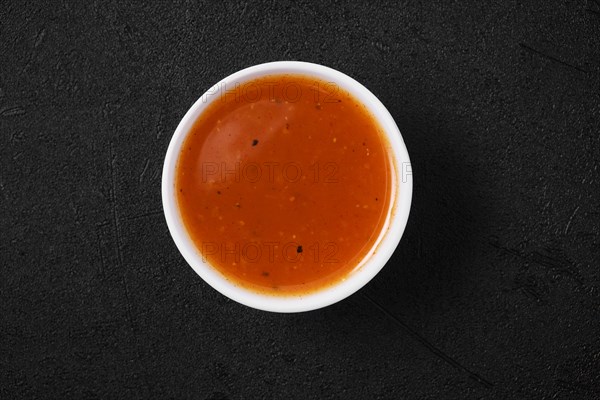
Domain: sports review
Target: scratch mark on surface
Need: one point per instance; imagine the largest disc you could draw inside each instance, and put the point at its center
(572, 385)
(560, 264)
(155, 175)
(102, 224)
(144, 170)
(117, 231)
(12, 111)
(571, 220)
(16, 137)
(532, 286)
(2, 189)
(159, 127)
(243, 11)
(437, 352)
(117, 228)
(545, 261)
(532, 50)
(102, 261)
(39, 37)
(531, 292)
(508, 250)
(144, 215)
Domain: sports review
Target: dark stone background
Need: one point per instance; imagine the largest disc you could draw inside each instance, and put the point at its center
(494, 291)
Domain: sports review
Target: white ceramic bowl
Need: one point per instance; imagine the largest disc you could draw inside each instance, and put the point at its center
(373, 261)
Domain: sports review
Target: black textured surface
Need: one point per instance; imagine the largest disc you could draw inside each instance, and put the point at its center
(494, 291)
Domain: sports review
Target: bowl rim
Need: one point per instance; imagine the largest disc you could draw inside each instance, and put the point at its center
(371, 264)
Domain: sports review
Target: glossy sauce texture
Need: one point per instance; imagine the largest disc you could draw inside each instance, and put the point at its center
(284, 184)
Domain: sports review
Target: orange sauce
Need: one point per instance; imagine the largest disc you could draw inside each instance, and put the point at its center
(284, 183)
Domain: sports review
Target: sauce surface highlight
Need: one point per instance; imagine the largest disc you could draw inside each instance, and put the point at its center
(284, 184)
